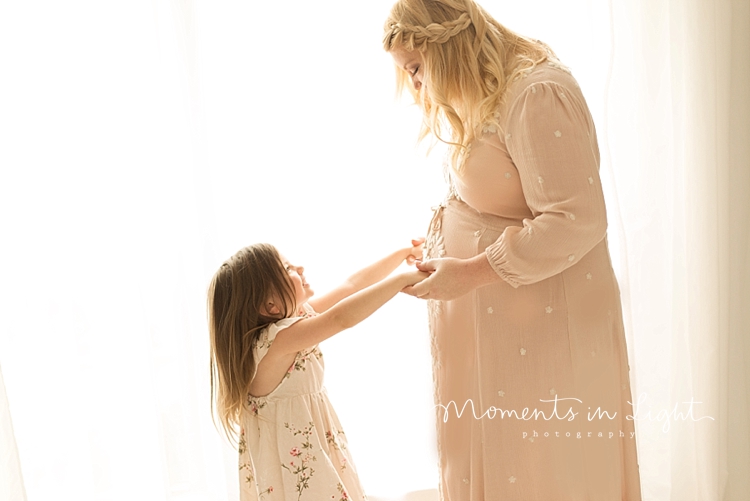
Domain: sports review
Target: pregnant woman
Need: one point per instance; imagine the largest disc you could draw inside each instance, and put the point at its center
(529, 356)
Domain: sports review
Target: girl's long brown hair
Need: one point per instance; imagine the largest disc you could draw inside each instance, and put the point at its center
(236, 298)
(469, 58)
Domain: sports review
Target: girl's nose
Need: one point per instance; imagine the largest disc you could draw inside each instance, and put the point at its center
(416, 83)
(300, 269)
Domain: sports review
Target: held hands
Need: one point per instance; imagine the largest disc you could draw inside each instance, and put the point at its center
(415, 252)
(412, 277)
(448, 279)
(414, 255)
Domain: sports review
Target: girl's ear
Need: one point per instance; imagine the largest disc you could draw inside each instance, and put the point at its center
(270, 309)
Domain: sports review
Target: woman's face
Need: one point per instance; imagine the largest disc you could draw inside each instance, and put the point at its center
(412, 63)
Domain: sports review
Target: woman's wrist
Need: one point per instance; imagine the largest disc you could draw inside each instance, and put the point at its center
(480, 271)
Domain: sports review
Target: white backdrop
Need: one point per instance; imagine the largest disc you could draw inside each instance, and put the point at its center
(142, 143)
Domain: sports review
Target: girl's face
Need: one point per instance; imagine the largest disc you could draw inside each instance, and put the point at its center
(412, 63)
(302, 290)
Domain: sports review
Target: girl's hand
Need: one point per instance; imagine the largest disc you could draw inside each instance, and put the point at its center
(415, 253)
(413, 277)
(448, 280)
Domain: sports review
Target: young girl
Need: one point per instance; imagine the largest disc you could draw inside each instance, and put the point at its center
(267, 370)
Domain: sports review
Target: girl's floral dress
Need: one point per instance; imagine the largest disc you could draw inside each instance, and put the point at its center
(292, 446)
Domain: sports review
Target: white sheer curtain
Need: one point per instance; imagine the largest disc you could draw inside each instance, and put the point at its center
(143, 143)
(677, 135)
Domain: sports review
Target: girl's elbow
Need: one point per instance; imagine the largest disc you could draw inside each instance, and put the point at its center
(340, 321)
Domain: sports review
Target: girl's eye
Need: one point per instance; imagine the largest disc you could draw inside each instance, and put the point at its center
(414, 72)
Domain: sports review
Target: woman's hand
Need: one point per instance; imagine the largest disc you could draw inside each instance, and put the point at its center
(451, 278)
(415, 253)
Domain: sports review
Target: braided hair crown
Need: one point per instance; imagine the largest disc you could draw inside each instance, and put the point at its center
(417, 37)
(413, 24)
(469, 60)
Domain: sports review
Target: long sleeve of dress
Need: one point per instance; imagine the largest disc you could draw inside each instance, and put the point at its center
(550, 137)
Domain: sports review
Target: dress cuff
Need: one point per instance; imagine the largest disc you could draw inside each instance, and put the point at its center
(496, 257)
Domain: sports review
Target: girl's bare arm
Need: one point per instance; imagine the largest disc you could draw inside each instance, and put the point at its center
(345, 314)
(367, 276)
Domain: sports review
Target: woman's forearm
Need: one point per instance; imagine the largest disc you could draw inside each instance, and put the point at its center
(451, 278)
(480, 271)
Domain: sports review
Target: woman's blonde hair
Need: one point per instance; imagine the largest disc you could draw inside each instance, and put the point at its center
(469, 61)
(237, 297)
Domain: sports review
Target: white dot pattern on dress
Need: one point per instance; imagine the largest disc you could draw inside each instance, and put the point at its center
(501, 393)
(507, 175)
(512, 480)
(523, 351)
(552, 391)
(477, 233)
(571, 257)
(591, 180)
(466, 480)
(508, 135)
(490, 310)
(541, 181)
(548, 309)
(558, 133)
(572, 217)
(588, 276)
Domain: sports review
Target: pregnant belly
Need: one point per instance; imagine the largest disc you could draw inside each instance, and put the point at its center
(495, 192)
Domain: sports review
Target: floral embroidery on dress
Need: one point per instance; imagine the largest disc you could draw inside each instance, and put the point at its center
(245, 466)
(434, 247)
(334, 441)
(301, 360)
(306, 312)
(492, 125)
(342, 491)
(264, 342)
(559, 66)
(255, 404)
(267, 491)
(301, 457)
(491, 128)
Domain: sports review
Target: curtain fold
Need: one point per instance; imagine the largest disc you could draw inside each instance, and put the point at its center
(11, 476)
(736, 262)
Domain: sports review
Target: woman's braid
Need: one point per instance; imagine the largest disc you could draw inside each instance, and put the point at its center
(417, 37)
